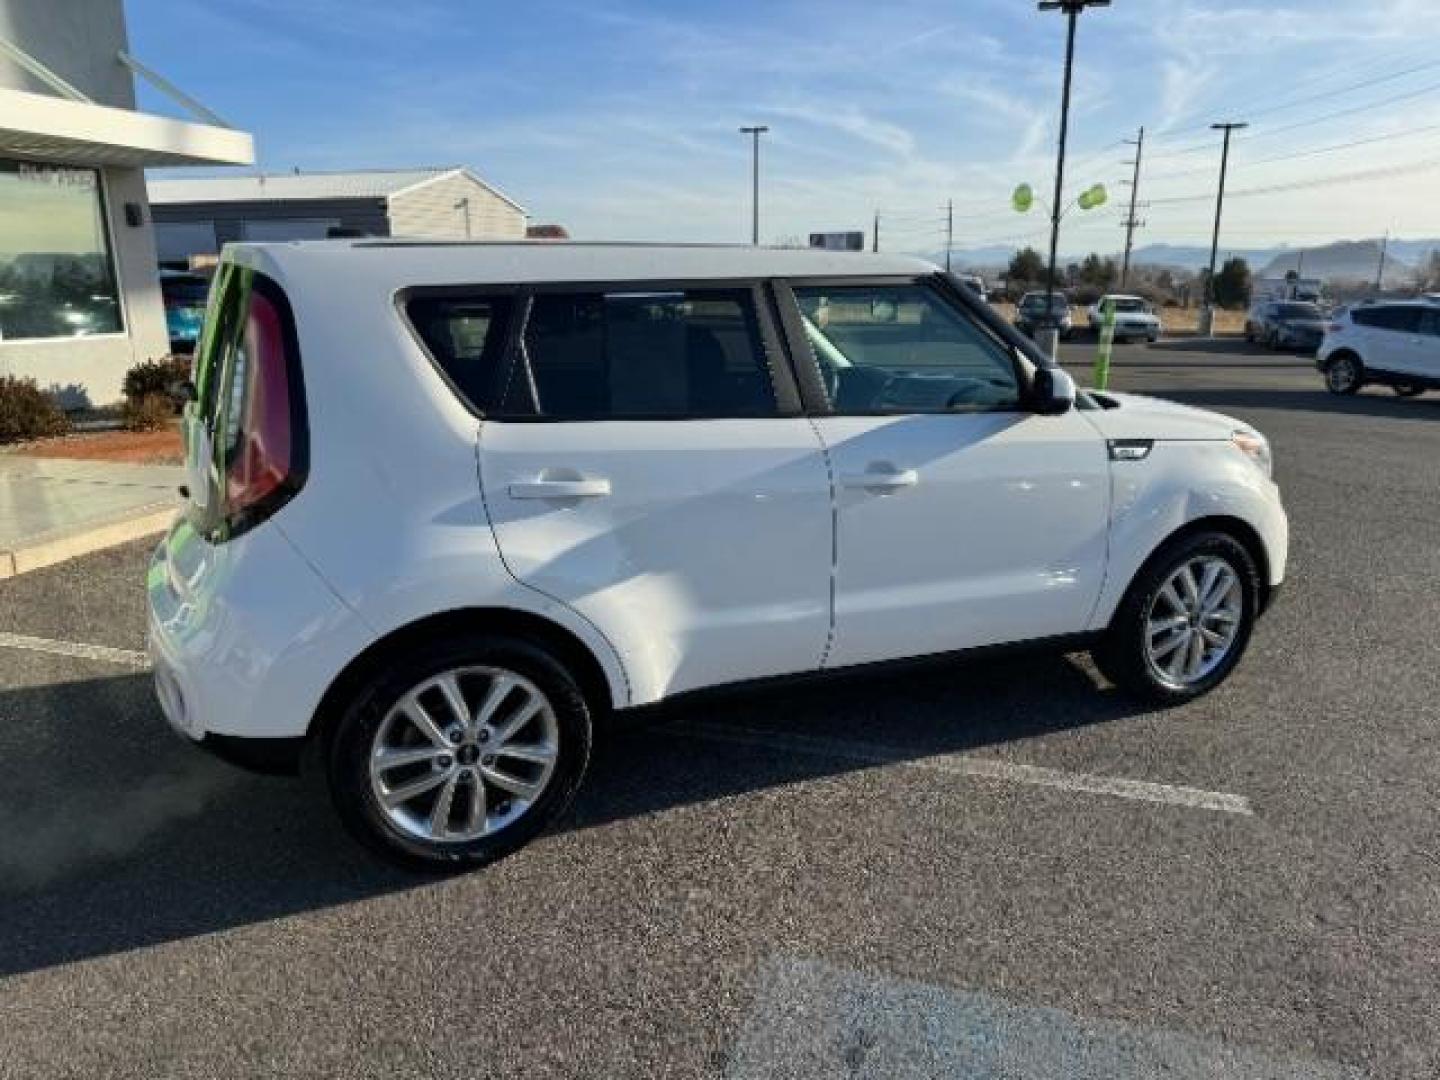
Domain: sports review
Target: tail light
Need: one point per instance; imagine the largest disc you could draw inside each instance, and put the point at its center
(265, 458)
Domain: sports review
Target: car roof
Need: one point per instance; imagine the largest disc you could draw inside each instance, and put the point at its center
(396, 264)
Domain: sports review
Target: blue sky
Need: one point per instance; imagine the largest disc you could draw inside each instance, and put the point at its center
(618, 119)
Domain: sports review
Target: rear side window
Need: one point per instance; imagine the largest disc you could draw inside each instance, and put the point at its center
(640, 355)
(467, 338)
(1404, 319)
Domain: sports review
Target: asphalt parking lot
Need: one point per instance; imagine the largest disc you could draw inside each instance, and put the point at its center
(1005, 870)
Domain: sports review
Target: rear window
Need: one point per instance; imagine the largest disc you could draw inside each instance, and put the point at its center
(1404, 319)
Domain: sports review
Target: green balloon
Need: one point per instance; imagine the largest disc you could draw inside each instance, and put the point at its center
(1098, 195)
(1023, 198)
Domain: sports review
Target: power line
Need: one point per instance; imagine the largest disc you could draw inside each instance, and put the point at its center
(1324, 181)
(1323, 95)
(1269, 132)
(1312, 151)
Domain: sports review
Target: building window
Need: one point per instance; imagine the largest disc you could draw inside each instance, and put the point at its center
(57, 278)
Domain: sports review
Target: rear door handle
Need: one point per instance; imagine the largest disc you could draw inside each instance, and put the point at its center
(882, 481)
(560, 489)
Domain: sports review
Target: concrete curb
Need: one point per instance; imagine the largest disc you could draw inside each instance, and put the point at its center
(47, 551)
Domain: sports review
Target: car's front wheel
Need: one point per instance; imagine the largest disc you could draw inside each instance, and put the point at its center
(458, 754)
(1344, 374)
(1185, 621)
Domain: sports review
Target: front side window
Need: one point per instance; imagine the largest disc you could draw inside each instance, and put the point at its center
(904, 349)
(639, 355)
(57, 279)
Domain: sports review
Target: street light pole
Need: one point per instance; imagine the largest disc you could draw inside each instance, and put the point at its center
(1219, 205)
(1071, 10)
(754, 133)
(464, 205)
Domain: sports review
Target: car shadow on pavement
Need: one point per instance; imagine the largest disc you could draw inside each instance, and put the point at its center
(116, 835)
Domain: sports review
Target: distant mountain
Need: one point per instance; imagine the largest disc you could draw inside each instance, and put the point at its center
(1348, 260)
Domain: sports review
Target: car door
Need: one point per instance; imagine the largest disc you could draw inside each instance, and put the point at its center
(961, 519)
(649, 466)
(1392, 337)
(1427, 345)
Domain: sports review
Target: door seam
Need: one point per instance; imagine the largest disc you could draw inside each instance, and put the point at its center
(834, 539)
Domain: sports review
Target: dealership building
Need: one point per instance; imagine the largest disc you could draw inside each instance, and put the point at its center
(79, 296)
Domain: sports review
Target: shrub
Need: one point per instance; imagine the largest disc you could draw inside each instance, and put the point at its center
(148, 413)
(157, 377)
(27, 412)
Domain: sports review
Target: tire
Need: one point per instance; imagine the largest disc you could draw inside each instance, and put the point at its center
(373, 721)
(1344, 374)
(1408, 390)
(1123, 654)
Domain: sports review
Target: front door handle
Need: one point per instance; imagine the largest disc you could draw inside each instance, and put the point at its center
(891, 480)
(560, 489)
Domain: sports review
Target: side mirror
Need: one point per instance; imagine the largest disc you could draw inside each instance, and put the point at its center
(1052, 392)
(184, 390)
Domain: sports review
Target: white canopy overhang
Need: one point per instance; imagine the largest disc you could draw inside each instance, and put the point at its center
(41, 127)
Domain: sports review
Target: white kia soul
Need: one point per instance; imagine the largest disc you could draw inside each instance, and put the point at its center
(449, 504)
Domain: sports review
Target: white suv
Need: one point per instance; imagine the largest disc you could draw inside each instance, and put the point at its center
(449, 505)
(1396, 344)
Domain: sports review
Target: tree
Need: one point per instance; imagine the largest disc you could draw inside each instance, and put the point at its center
(1232, 283)
(1102, 273)
(1027, 266)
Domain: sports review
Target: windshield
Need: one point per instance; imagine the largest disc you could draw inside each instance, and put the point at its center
(1298, 311)
(1036, 302)
(1131, 304)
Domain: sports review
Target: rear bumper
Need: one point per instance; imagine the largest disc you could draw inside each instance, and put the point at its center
(244, 639)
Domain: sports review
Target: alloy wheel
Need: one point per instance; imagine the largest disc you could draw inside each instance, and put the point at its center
(464, 754)
(1193, 621)
(1340, 375)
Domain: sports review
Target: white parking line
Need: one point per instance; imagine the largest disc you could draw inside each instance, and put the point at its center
(126, 657)
(975, 767)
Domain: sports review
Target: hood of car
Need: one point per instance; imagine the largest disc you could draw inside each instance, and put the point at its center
(1136, 417)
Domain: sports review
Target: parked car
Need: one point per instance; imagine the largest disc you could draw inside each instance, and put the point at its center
(1134, 317)
(1032, 314)
(448, 506)
(1395, 344)
(1285, 324)
(184, 298)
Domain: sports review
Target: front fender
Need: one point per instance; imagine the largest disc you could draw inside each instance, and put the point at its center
(1177, 484)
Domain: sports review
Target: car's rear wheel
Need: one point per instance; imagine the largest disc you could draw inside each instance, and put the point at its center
(1344, 374)
(1408, 390)
(456, 755)
(1185, 621)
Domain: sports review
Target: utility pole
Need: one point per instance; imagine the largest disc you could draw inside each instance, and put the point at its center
(1380, 273)
(1071, 9)
(464, 204)
(1219, 205)
(949, 230)
(1131, 223)
(875, 233)
(754, 133)
(1300, 264)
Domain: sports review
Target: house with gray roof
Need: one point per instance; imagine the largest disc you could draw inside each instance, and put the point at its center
(197, 215)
